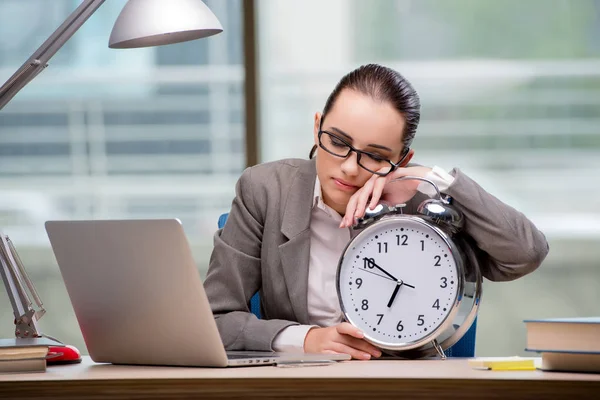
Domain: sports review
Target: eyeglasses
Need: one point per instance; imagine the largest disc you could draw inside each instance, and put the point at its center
(373, 163)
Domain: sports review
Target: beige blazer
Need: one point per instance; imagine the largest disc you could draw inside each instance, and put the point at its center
(265, 245)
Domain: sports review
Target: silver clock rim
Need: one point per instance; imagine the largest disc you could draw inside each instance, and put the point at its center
(450, 316)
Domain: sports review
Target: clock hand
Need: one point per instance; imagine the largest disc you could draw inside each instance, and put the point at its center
(371, 262)
(379, 275)
(392, 277)
(398, 284)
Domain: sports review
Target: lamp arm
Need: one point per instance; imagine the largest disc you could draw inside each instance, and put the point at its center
(39, 60)
(15, 278)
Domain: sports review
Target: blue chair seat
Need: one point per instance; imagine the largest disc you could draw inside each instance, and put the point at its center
(465, 347)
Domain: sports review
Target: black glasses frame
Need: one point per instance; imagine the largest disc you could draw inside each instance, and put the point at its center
(359, 153)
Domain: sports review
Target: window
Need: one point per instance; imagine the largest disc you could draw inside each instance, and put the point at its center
(153, 132)
(510, 94)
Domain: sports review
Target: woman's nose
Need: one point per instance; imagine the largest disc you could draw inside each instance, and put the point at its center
(350, 164)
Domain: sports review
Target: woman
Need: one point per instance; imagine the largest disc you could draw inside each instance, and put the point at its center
(291, 219)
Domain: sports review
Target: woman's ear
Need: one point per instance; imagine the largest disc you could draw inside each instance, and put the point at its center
(316, 127)
(407, 158)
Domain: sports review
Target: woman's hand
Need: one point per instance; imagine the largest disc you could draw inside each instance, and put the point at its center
(377, 190)
(343, 338)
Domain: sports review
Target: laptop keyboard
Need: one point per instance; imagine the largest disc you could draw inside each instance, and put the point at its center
(246, 356)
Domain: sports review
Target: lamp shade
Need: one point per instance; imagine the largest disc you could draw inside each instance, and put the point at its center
(144, 23)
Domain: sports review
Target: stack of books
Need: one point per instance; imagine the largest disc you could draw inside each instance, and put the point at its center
(23, 359)
(566, 344)
(25, 355)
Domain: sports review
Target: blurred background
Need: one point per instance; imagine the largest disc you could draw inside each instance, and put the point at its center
(510, 93)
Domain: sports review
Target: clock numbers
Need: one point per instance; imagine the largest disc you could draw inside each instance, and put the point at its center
(365, 304)
(400, 281)
(402, 240)
(444, 282)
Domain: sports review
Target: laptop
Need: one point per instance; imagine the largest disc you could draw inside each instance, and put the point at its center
(138, 297)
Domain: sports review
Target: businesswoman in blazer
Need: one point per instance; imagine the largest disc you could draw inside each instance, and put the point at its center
(291, 219)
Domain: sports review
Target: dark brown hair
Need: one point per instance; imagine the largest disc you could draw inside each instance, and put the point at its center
(382, 84)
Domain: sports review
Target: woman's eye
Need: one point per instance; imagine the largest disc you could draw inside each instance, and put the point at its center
(377, 157)
(337, 142)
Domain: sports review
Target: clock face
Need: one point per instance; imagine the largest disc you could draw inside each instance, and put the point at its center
(398, 281)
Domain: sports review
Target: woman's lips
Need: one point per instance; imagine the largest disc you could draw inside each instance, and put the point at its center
(344, 185)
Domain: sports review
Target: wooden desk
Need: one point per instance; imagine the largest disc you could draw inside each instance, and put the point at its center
(450, 379)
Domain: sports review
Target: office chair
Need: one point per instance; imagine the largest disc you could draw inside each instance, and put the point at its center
(465, 347)
(255, 300)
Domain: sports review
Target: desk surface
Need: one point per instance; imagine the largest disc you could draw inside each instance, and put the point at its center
(350, 379)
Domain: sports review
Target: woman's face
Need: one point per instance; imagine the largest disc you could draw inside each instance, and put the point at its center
(366, 124)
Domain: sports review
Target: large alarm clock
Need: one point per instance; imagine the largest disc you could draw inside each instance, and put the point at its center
(410, 282)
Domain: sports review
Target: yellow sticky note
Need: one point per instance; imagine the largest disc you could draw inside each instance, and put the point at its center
(503, 363)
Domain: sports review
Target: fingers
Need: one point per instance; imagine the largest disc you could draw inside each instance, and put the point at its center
(373, 190)
(353, 337)
(353, 352)
(362, 345)
(346, 328)
(363, 197)
(378, 185)
(331, 340)
(332, 352)
(348, 219)
(377, 191)
(358, 203)
(343, 338)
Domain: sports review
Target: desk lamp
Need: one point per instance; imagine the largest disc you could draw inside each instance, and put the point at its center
(141, 23)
